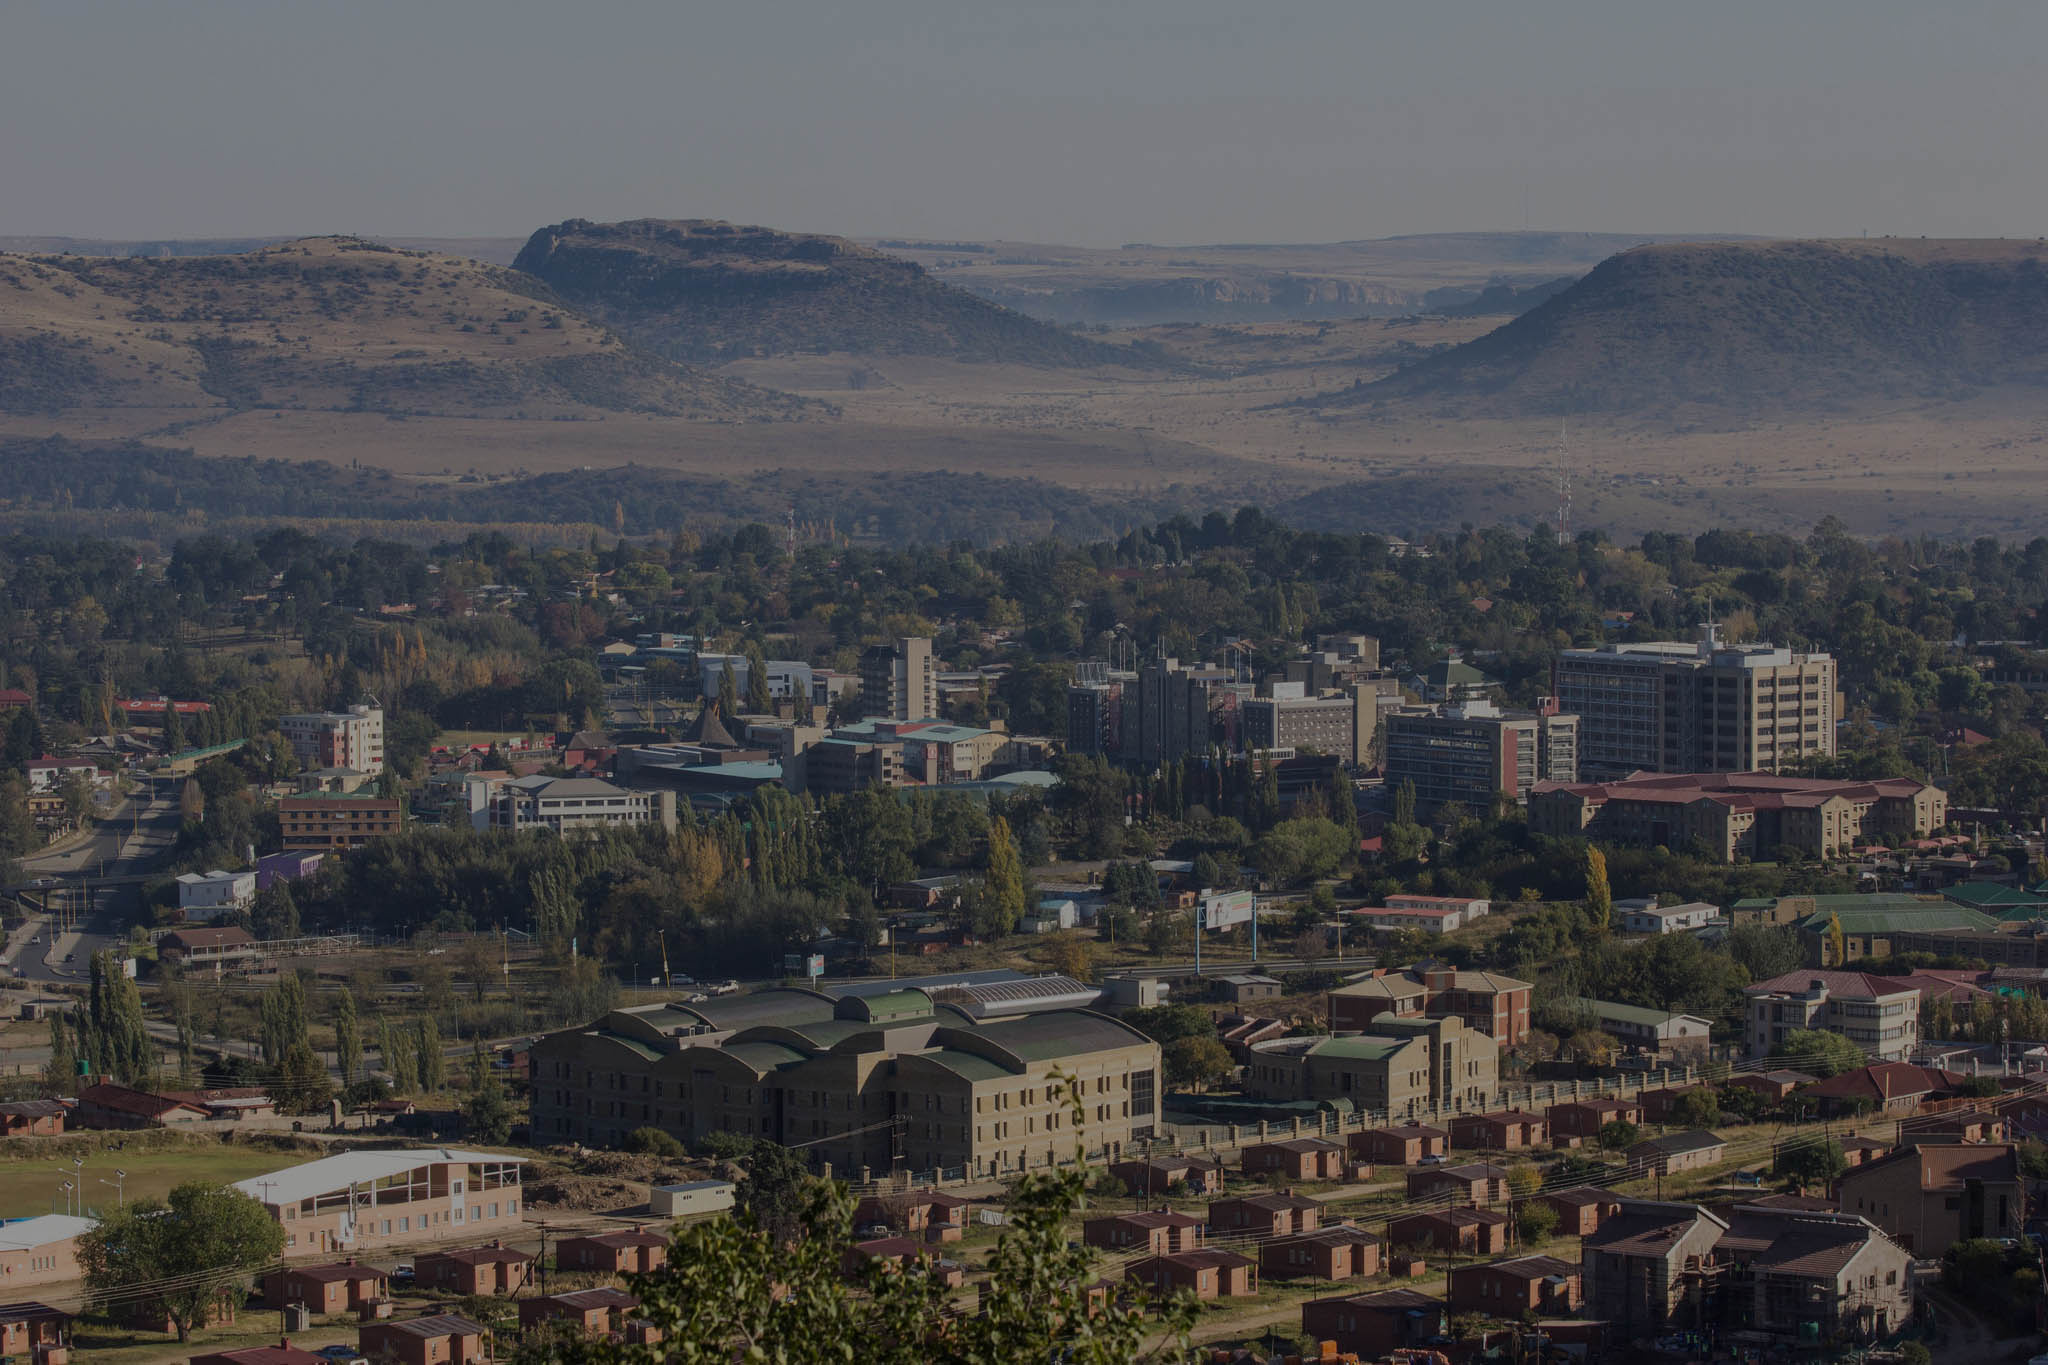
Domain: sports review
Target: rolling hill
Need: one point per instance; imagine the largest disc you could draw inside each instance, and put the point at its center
(1752, 327)
(704, 291)
(327, 324)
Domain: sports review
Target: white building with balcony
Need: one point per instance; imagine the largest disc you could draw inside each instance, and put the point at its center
(1877, 1013)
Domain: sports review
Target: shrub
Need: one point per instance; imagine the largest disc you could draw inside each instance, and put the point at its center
(652, 1141)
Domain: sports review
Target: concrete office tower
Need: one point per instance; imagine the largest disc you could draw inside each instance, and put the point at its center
(900, 681)
(337, 739)
(1094, 701)
(1670, 707)
(1173, 712)
(1341, 725)
(1471, 752)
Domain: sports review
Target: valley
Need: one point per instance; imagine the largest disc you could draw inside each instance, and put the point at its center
(445, 370)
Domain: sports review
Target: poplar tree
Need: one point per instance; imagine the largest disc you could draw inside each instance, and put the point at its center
(348, 1040)
(758, 701)
(1599, 897)
(60, 1073)
(432, 1068)
(1001, 904)
(400, 1049)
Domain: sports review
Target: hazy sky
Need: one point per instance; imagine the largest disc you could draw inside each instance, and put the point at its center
(1155, 120)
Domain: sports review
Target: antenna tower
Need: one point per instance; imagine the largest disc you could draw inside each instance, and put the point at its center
(1564, 482)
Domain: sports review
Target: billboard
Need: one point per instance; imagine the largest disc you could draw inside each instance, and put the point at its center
(1225, 909)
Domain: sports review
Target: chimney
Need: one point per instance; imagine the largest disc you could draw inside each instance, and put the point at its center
(284, 1343)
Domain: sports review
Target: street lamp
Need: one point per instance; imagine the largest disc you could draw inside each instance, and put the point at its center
(66, 1188)
(118, 1182)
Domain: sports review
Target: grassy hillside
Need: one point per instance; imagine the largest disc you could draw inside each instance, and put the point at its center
(331, 324)
(1767, 327)
(709, 291)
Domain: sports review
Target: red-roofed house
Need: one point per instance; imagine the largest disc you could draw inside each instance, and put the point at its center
(1886, 1088)
(1585, 1118)
(614, 1253)
(1342, 1252)
(438, 1339)
(1519, 1285)
(1207, 1274)
(116, 1106)
(1296, 1158)
(1401, 1145)
(338, 1288)
(284, 1353)
(1156, 1230)
(491, 1271)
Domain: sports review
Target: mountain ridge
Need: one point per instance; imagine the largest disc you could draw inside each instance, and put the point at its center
(706, 291)
(335, 324)
(1783, 326)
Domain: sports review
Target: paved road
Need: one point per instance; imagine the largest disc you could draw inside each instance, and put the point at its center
(87, 902)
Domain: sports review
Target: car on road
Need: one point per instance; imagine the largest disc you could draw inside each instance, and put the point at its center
(695, 998)
(70, 956)
(44, 881)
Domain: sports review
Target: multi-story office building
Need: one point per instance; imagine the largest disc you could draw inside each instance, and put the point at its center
(1095, 709)
(1744, 814)
(900, 681)
(876, 1082)
(1670, 707)
(847, 765)
(337, 820)
(337, 739)
(1472, 752)
(566, 804)
(1173, 712)
(1406, 1066)
(1290, 719)
(1880, 1014)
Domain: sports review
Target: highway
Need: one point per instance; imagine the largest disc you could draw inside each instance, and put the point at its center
(84, 888)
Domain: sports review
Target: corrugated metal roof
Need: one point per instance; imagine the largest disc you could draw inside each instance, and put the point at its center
(1060, 1033)
(762, 1056)
(967, 1065)
(332, 1173)
(30, 1233)
(1359, 1048)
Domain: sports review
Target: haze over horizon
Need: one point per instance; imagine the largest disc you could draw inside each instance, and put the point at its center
(1188, 122)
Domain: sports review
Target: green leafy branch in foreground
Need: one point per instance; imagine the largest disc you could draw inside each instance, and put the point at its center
(734, 1291)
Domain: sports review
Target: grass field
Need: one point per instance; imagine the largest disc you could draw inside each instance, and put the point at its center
(33, 1185)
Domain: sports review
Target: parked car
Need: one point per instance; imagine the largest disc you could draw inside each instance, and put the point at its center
(402, 1273)
(342, 1354)
(682, 979)
(1434, 1159)
(870, 1231)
